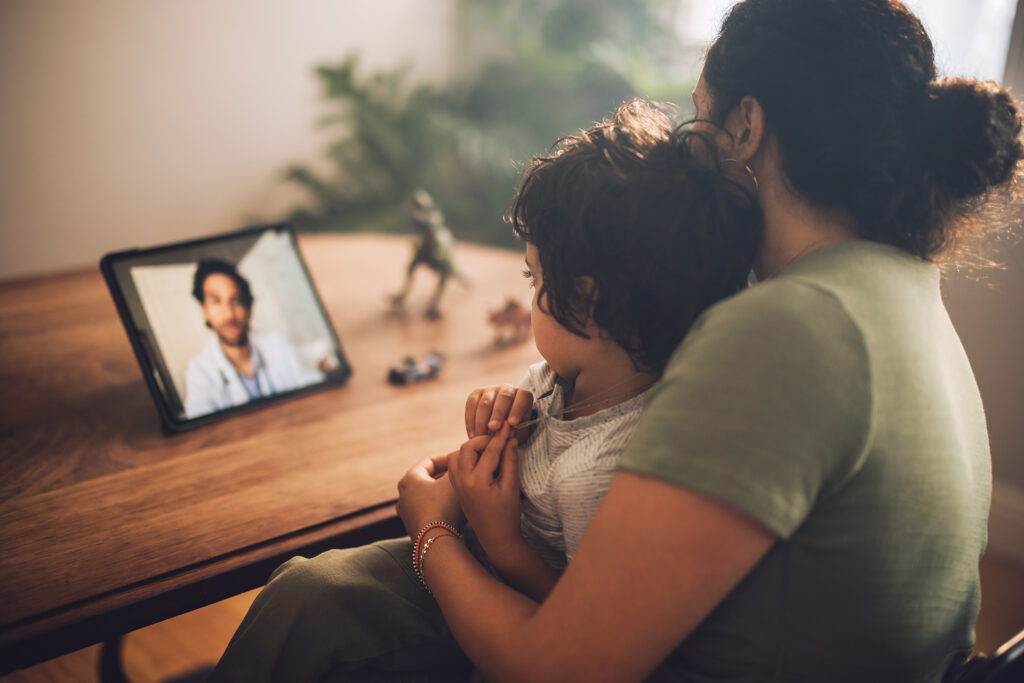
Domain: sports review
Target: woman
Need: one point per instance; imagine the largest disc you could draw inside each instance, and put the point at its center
(806, 497)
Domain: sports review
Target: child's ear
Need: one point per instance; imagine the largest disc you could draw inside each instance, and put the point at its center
(586, 287)
(586, 294)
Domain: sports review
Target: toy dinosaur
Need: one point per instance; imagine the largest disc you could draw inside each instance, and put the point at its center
(435, 249)
(511, 323)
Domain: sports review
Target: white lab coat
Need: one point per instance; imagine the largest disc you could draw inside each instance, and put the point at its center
(212, 383)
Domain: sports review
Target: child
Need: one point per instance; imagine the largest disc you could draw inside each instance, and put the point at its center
(629, 236)
(632, 230)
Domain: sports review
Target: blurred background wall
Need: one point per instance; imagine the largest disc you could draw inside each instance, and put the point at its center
(129, 123)
(989, 315)
(126, 123)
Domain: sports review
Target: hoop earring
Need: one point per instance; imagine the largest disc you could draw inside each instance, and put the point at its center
(746, 167)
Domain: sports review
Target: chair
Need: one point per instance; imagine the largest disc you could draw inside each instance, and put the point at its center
(1005, 666)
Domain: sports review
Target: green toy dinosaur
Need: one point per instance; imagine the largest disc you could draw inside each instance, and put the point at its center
(435, 249)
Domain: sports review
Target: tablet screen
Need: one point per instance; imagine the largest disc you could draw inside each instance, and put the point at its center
(223, 324)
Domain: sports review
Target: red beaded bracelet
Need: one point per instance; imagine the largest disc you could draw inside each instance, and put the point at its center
(417, 560)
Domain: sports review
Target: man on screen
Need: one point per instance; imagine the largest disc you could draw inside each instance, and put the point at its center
(237, 365)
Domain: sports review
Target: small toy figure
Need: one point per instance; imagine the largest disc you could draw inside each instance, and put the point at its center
(435, 249)
(410, 372)
(511, 323)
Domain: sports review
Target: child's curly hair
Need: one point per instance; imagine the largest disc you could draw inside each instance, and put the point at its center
(650, 213)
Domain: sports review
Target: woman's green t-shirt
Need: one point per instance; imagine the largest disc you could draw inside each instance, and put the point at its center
(835, 404)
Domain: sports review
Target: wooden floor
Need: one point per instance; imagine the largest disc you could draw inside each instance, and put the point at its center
(177, 646)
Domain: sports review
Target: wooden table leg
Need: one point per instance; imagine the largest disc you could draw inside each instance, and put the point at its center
(111, 670)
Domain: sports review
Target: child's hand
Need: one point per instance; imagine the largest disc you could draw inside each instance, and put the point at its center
(485, 474)
(424, 495)
(489, 407)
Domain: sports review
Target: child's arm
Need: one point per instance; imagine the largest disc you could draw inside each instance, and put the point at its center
(490, 501)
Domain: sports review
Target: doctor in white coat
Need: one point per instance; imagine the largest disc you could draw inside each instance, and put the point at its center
(236, 365)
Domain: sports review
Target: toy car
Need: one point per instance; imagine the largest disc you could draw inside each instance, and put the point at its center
(411, 372)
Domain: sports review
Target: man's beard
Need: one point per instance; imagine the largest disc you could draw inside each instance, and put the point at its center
(240, 342)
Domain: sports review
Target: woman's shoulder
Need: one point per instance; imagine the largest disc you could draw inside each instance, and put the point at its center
(790, 296)
(836, 273)
(793, 314)
(768, 398)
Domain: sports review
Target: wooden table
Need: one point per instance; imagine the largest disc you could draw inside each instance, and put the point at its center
(108, 525)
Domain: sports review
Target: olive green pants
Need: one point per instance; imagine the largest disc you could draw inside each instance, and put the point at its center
(354, 614)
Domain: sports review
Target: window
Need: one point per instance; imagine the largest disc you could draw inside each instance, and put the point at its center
(971, 37)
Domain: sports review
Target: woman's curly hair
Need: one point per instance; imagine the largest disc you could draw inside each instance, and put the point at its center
(864, 125)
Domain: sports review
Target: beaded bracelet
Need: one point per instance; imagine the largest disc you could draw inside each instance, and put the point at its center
(423, 556)
(419, 550)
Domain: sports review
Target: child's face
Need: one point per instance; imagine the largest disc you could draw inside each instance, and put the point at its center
(562, 349)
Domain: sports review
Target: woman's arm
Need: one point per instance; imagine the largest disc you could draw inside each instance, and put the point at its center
(655, 560)
(523, 569)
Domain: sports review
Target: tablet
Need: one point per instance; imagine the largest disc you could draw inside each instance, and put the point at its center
(224, 324)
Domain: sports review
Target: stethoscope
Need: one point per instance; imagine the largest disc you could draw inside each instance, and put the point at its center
(258, 368)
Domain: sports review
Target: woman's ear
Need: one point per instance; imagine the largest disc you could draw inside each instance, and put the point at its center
(747, 125)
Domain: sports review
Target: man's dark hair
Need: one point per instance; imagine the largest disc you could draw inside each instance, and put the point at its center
(863, 124)
(650, 213)
(208, 267)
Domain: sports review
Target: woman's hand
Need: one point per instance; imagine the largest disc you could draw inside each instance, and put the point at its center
(425, 495)
(485, 474)
(489, 407)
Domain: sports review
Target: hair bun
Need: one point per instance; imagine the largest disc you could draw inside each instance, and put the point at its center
(974, 136)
